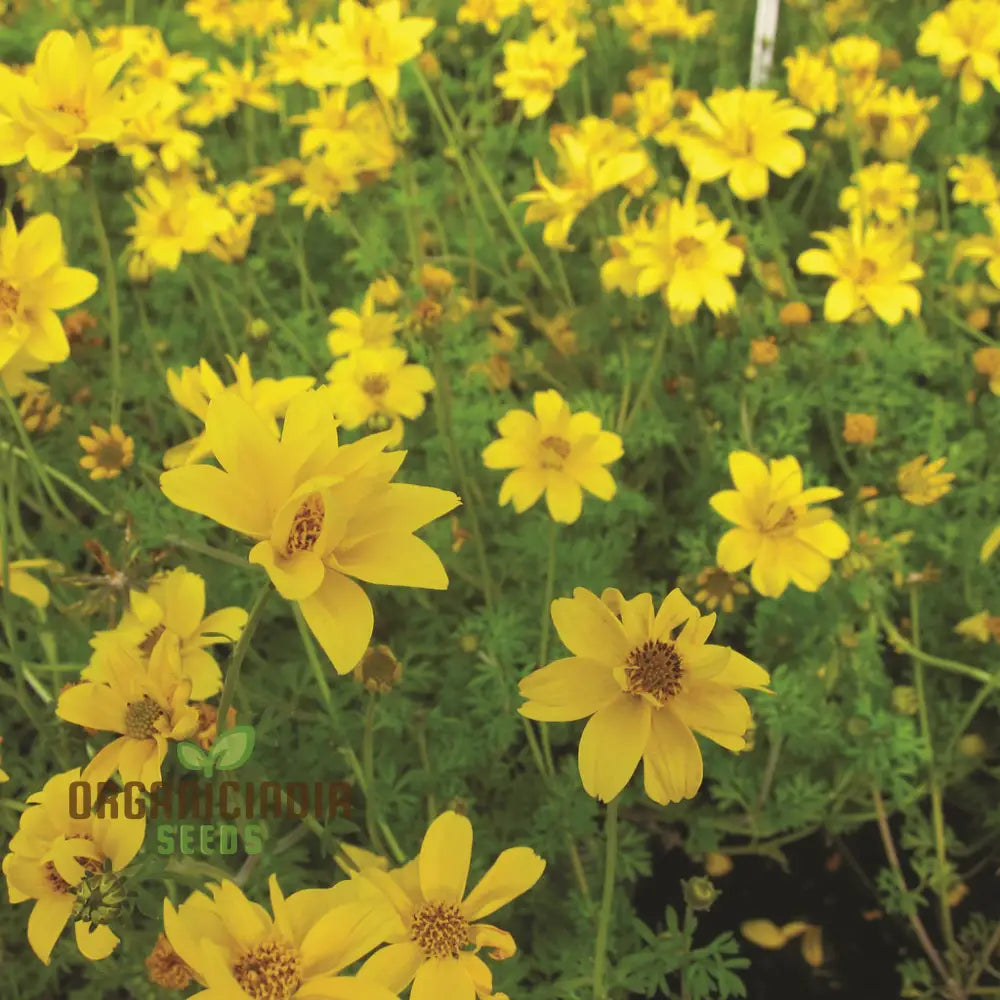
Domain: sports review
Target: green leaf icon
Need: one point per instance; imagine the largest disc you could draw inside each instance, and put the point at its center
(191, 756)
(232, 748)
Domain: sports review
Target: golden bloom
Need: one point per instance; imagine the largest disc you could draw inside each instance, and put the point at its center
(648, 19)
(965, 37)
(645, 689)
(232, 85)
(795, 314)
(319, 512)
(717, 587)
(856, 58)
(885, 190)
(488, 13)
(196, 387)
(534, 70)
(430, 923)
(34, 283)
(986, 361)
(366, 328)
(146, 703)
(554, 452)
(775, 530)
(371, 43)
(22, 583)
(764, 351)
(741, 135)
(921, 484)
(974, 179)
(812, 81)
(107, 451)
(860, 428)
(54, 859)
(893, 120)
(872, 265)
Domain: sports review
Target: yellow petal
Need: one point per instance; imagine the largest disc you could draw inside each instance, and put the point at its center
(513, 873)
(442, 977)
(395, 559)
(95, 941)
(295, 577)
(611, 746)
(394, 966)
(721, 713)
(764, 934)
(671, 765)
(444, 858)
(587, 628)
(340, 616)
(215, 494)
(991, 544)
(46, 923)
(575, 686)
(812, 946)
(564, 498)
(749, 472)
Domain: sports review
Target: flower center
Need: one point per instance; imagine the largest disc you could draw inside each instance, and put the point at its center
(58, 884)
(141, 717)
(440, 929)
(785, 522)
(375, 385)
(68, 108)
(688, 245)
(867, 269)
(271, 971)
(654, 668)
(560, 446)
(152, 638)
(9, 298)
(306, 525)
(110, 455)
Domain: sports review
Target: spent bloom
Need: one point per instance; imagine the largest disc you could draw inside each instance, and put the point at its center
(741, 135)
(55, 859)
(922, 484)
(106, 452)
(776, 533)
(965, 37)
(872, 265)
(554, 452)
(322, 515)
(431, 925)
(534, 70)
(34, 283)
(647, 681)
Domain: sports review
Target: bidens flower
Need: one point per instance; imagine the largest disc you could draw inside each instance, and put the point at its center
(775, 530)
(431, 926)
(921, 484)
(321, 513)
(106, 452)
(534, 70)
(554, 452)
(965, 37)
(645, 690)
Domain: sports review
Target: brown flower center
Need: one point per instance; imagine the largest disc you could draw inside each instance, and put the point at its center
(654, 668)
(440, 929)
(141, 717)
(270, 971)
(688, 245)
(375, 385)
(166, 968)
(152, 638)
(110, 455)
(59, 884)
(867, 269)
(9, 298)
(560, 446)
(787, 520)
(306, 525)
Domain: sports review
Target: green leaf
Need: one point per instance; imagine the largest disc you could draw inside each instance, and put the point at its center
(191, 756)
(232, 748)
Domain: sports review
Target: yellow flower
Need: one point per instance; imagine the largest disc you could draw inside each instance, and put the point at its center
(297, 57)
(593, 158)
(982, 627)
(321, 513)
(241, 85)
(812, 81)
(554, 452)
(741, 135)
(366, 328)
(775, 531)
(196, 387)
(893, 120)
(52, 854)
(166, 968)
(376, 385)
(645, 690)
(965, 37)
(534, 70)
(34, 283)
(107, 452)
(371, 43)
(172, 612)
(683, 254)
(236, 948)
(986, 361)
(432, 922)
(884, 190)
(654, 103)
(146, 703)
(717, 587)
(860, 428)
(974, 180)
(261, 16)
(64, 102)
(22, 583)
(648, 19)
(872, 266)
(488, 13)
(985, 248)
(324, 179)
(856, 59)
(921, 484)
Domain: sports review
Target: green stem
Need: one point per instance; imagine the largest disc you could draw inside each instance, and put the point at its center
(953, 666)
(368, 768)
(543, 643)
(607, 897)
(239, 655)
(651, 372)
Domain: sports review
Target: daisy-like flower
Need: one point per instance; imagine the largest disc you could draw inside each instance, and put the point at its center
(885, 190)
(297, 57)
(235, 948)
(872, 265)
(241, 85)
(488, 13)
(717, 587)
(856, 59)
(171, 611)
(984, 248)
(22, 583)
(644, 689)
(53, 854)
(320, 513)
(648, 19)
(965, 37)
(378, 387)
(197, 386)
(534, 70)
(812, 81)
(432, 923)
(893, 120)
(146, 703)
(65, 102)
(34, 283)
(107, 452)
(741, 135)
(775, 529)
(655, 111)
(921, 484)
(683, 254)
(371, 43)
(366, 328)
(974, 179)
(554, 452)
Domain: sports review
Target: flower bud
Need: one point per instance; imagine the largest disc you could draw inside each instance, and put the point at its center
(699, 893)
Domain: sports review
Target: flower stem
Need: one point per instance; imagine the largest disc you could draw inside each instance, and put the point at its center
(953, 666)
(543, 643)
(239, 655)
(651, 373)
(607, 896)
(111, 290)
(368, 767)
